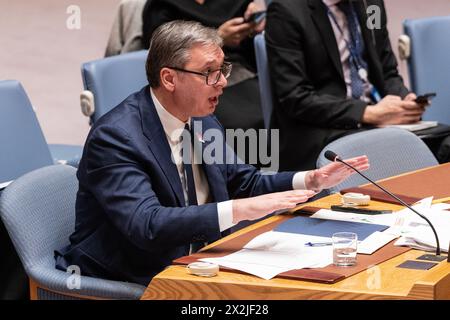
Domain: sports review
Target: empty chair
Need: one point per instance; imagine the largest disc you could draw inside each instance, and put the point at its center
(391, 151)
(264, 79)
(429, 63)
(108, 81)
(22, 143)
(38, 210)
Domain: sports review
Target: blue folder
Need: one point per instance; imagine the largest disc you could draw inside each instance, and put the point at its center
(326, 228)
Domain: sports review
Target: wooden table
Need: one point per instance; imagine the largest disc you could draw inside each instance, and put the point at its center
(382, 281)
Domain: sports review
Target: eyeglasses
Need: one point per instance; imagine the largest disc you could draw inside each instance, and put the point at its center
(212, 76)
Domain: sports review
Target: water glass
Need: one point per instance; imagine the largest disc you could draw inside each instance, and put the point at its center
(345, 246)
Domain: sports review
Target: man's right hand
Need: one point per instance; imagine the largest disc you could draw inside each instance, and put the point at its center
(393, 110)
(260, 206)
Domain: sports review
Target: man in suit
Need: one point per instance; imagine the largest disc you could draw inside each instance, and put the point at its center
(145, 196)
(332, 75)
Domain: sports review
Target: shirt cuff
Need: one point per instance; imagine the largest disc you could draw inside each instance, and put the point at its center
(225, 212)
(298, 181)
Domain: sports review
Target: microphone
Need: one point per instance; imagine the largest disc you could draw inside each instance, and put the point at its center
(330, 155)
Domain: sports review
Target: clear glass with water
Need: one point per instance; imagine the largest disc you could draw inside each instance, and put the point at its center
(345, 246)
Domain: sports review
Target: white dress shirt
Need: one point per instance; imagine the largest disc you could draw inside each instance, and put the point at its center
(173, 128)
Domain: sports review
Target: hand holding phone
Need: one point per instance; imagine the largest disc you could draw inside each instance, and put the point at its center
(425, 98)
(256, 17)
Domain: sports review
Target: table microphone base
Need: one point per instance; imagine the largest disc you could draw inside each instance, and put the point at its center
(432, 257)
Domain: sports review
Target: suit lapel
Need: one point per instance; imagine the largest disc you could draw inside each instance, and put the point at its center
(153, 130)
(217, 185)
(322, 22)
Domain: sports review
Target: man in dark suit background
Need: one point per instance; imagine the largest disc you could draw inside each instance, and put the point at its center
(145, 195)
(331, 74)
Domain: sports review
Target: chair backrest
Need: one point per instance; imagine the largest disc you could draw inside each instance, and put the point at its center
(38, 210)
(22, 144)
(391, 151)
(429, 63)
(264, 78)
(113, 79)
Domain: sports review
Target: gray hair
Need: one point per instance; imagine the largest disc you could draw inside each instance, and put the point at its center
(170, 45)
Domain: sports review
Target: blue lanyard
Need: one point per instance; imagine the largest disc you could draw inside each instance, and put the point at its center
(350, 47)
(375, 95)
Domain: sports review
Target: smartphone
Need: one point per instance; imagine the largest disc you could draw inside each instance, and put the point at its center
(256, 17)
(358, 210)
(424, 99)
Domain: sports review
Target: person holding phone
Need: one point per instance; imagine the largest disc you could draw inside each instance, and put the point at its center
(240, 104)
(332, 75)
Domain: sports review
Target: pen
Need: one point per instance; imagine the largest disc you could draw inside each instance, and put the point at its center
(318, 244)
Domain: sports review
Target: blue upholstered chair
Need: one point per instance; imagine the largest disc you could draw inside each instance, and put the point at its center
(429, 63)
(22, 144)
(391, 151)
(38, 210)
(108, 81)
(263, 78)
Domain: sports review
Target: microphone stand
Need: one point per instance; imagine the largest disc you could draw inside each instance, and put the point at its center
(438, 248)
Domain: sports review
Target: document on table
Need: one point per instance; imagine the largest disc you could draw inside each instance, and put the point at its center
(274, 252)
(374, 241)
(327, 227)
(416, 233)
(412, 230)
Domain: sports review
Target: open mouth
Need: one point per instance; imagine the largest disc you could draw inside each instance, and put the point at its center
(214, 100)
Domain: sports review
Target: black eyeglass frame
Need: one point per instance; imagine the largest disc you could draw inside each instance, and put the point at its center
(227, 66)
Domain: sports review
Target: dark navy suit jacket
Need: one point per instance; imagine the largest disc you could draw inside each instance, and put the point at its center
(131, 218)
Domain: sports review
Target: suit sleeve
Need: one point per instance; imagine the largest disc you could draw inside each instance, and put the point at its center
(120, 183)
(393, 81)
(293, 89)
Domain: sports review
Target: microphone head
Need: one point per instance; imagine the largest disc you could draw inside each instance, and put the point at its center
(330, 155)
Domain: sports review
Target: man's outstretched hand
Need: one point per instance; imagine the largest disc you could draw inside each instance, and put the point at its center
(260, 206)
(334, 173)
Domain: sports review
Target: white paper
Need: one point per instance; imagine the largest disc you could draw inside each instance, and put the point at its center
(416, 233)
(374, 242)
(274, 252)
(387, 219)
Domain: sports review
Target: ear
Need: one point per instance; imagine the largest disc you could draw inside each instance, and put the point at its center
(168, 78)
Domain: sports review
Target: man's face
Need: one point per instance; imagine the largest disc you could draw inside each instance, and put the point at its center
(197, 98)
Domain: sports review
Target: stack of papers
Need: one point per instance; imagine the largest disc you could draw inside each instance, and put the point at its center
(286, 247)
(274, 252)
(416, 233)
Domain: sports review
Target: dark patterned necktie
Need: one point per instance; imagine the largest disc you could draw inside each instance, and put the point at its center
(186, 156)
(357, 46)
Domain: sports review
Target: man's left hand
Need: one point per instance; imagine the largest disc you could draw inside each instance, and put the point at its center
(334, 173)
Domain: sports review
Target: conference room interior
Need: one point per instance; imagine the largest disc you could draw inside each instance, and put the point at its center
(46, 42)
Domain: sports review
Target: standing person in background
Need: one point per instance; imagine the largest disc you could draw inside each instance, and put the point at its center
(332, 75)
(240, 103)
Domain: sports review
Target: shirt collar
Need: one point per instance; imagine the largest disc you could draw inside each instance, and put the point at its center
(330, 3)
(172, 125)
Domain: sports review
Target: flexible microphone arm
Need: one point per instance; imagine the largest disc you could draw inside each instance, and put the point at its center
(330, 155)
